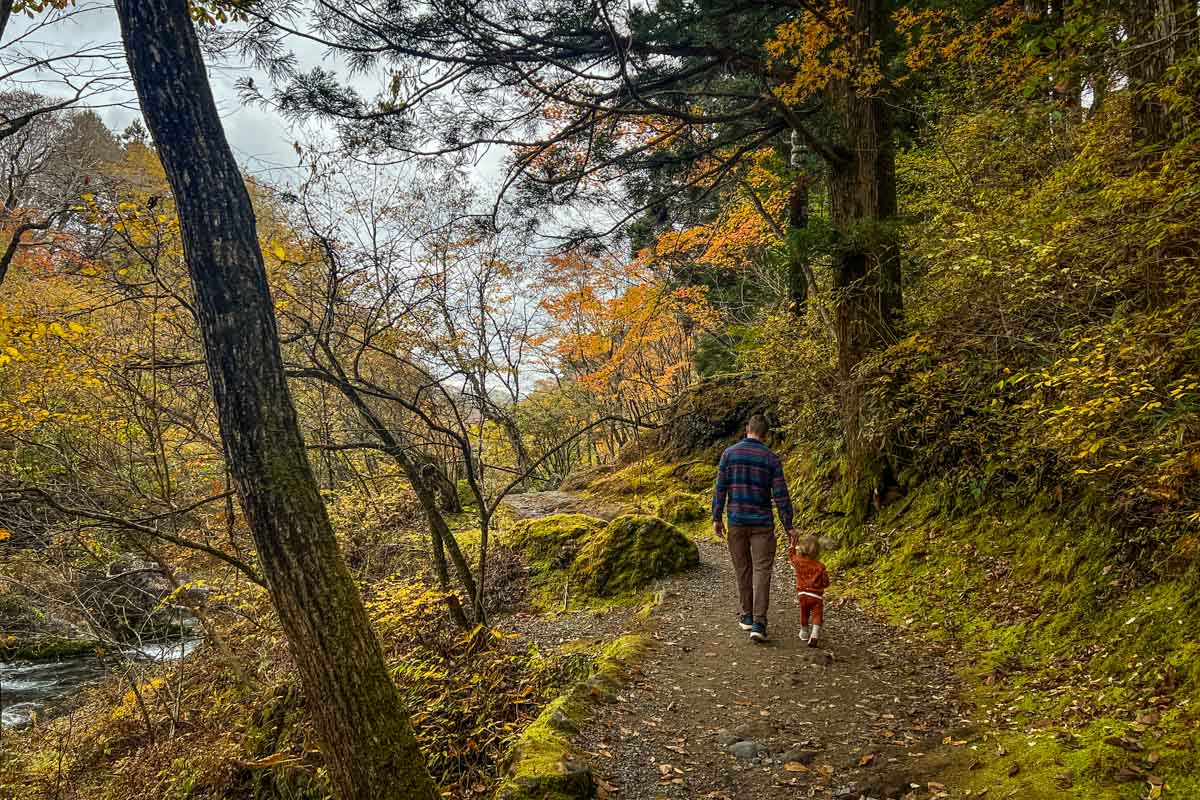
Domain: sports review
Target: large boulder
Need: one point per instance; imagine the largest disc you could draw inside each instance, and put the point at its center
(552, 542)
(631, 551)
(712, 413)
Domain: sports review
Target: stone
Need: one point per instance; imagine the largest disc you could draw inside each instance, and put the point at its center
(753, 730)
(747, 750)
(798, 754)
(560, 721)
(631, 551)
(726, 737)
(603, 688)
(815, 655)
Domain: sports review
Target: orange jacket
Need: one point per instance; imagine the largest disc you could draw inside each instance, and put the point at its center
(810, 573)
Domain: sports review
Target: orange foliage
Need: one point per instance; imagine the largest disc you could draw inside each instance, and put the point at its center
(623, 333)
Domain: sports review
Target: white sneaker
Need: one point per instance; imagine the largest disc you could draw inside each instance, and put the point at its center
(804, 633)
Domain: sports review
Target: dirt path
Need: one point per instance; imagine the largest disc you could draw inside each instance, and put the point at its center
(713, 715)
(543, 504)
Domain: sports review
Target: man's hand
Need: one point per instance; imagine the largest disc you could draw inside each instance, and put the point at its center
(718, 529)
(793, 538)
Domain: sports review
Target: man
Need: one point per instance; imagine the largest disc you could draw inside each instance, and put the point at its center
(749, 478)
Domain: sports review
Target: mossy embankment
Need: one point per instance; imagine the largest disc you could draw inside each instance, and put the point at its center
(544, 763)
(1083, 667)
(1084, 672)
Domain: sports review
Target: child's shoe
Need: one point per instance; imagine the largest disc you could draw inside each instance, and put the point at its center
(804, 634)
(816, 634)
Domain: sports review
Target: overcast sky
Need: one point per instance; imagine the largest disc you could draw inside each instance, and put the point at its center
(261, 139)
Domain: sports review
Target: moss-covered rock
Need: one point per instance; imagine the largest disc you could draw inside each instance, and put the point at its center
(680, 507)
(543, 764)
(549, 543)
(699, 476)
(44, 648)
(712, 413)
(631, 551)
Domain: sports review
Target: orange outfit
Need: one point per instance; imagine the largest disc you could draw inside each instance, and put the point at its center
(811, 582)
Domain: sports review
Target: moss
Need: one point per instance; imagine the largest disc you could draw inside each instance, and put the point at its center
(549, 543)
(631, 551)
(680, 507)
(1056, 631)
(620, 656)
(44, 648)
(583, 478)
(544, 763)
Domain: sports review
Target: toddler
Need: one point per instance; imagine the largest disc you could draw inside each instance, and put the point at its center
(811, 582)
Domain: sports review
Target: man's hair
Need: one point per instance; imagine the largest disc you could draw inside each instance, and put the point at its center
(811, 546)
(757, 425)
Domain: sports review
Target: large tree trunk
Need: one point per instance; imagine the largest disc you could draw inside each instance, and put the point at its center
(1161, 32)
(364, 731)
(798, 267)
(866, 270)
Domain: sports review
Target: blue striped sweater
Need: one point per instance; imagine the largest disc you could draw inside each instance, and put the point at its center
(749, 478)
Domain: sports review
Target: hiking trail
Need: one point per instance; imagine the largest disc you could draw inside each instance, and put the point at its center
(713, 715)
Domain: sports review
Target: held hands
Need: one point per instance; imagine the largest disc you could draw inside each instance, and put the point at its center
(793, 538)
(719, 529)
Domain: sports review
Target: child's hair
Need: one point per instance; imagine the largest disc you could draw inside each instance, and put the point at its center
(810, 546)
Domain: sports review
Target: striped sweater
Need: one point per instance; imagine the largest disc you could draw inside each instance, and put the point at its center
(749, 478)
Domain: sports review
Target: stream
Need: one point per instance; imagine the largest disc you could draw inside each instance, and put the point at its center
(36, 687)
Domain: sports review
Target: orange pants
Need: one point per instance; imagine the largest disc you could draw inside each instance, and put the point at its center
(812, 610)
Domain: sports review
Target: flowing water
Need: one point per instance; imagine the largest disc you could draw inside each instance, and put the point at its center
(36, 687)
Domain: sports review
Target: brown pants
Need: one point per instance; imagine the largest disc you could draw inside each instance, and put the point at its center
(753, 552)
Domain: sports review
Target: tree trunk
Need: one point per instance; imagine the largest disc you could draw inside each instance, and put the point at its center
(1160, 32)
(444, 489)
(866, 270)
(513, 433)
(798, 287)
(364, 731)
(440, 532)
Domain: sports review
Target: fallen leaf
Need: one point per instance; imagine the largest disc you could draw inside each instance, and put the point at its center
(795, 766)
(867, 760)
